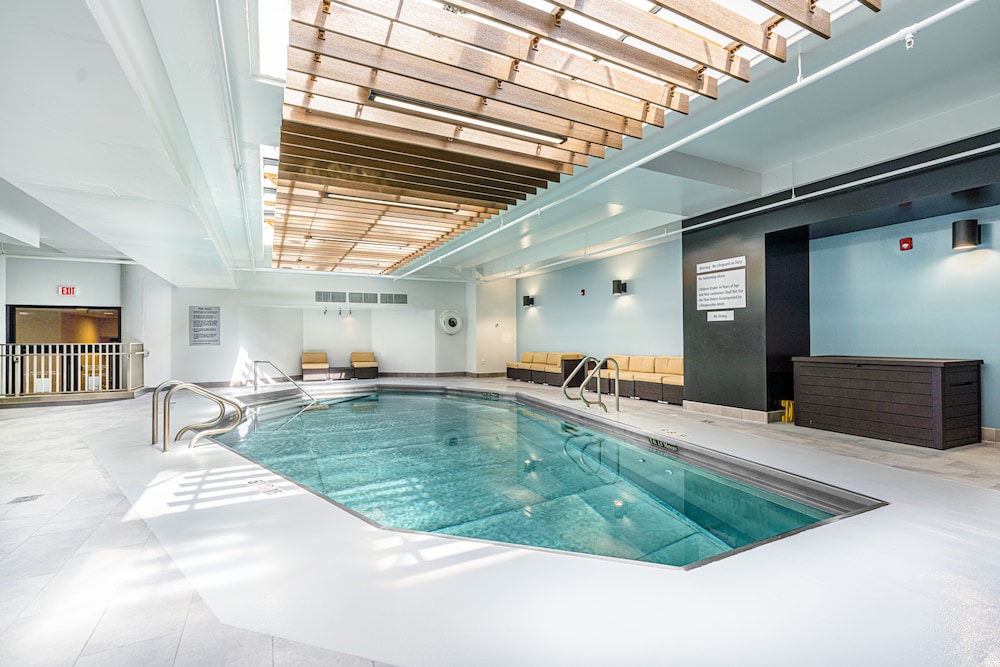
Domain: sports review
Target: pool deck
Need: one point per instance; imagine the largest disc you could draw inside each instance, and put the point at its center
(198, 557)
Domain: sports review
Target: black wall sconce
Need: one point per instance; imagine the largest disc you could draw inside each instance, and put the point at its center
(617, 287)
(528, 301)
(965, 234)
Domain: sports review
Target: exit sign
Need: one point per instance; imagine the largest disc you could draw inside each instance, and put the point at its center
(67, 290)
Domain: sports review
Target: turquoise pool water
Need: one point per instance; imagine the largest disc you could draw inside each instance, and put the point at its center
(504, 472)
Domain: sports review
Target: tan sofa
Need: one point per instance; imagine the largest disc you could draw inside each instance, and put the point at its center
(364, 365)
(315, 366)
(543, 367)
(650, 378)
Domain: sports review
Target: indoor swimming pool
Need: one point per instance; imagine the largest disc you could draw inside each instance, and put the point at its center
(497, 470)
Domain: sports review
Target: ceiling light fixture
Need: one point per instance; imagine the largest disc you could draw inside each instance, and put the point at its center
(384, 202)
(464, 117)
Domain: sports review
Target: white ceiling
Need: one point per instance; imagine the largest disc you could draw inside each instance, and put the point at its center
(117, 142)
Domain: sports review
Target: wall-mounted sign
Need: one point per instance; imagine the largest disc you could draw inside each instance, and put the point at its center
(67, 290)
(722, 290)
(721, 316)
(204, 325)
(723, 264)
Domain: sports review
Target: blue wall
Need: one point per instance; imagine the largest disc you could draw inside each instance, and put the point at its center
(869, 298)
(647, 319)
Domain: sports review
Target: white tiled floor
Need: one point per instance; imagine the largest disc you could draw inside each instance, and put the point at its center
(134, 557)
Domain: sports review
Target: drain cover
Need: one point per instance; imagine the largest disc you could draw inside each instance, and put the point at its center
(24, 499)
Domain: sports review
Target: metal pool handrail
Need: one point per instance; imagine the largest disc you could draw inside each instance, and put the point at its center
(286, 376)
(212, 427)
(590, 375)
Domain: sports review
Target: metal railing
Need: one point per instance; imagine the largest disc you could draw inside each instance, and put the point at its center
(28, 369)
(596, 371)
(209, 428)
(284, 374)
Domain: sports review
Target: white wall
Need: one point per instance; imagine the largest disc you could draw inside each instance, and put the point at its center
(35, 282)
(647, 320)
(495, 326)
(274, 315)
(146, 318)
(338, 331)
(404, 341)
(267, 333)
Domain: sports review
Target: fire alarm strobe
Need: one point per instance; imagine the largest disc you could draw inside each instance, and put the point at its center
(906, 244)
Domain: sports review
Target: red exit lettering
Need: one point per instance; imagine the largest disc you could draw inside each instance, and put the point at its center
(66, 290)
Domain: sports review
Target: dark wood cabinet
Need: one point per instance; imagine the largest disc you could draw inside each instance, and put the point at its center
(926, 402)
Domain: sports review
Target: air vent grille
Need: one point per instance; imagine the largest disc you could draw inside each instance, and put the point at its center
(363, 297)
(393, 298)
(331, 297)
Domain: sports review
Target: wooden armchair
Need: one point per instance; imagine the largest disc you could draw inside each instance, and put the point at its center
(364, 365)
(315, 366)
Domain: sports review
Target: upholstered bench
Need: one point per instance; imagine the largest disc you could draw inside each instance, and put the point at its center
(549, 368)
(645, 377)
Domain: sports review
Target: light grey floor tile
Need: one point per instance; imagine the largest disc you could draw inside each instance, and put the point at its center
(288, 653)
(16, 597)
(86, 580)
(207, 642)
(117, 530)
(156, 652)
(13, 532)
(45, 640)
(153, 603)
(48, 504)
(44, 554)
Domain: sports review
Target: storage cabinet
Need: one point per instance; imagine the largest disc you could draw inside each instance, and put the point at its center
(926, 402)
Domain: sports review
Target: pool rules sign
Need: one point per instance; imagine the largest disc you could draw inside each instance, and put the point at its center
(722, 287)
(204, 325)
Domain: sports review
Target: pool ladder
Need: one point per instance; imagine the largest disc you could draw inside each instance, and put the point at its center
(596, 371)
(212, 427)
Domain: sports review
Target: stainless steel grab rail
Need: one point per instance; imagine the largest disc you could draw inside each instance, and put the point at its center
(212, 427)
(286, 375)
(590, 375)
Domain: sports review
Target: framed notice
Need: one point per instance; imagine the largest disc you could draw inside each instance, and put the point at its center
(722, 286)
(204, 325)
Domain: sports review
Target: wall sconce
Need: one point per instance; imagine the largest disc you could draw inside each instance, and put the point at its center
(528, 301)
(965, 234)
(617, 287)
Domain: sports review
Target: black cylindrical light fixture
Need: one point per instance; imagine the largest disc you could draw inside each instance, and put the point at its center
(617, 287)
(528, 301)
(965, 234)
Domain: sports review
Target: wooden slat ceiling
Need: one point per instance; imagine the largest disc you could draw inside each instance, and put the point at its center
(384, 154)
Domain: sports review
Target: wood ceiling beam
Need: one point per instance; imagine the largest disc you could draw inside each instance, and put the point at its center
(426, 78)
(725, 21)
(650, 28)
(304, 159)
(363, 78)
(874, 5)
(388, 149)
(404, 134)
(308, 195)
(496, 53)
(571, 150)
(386, 223)
(298, 146)
(433, 196)
(803, 13)
(331, 209)
(538, 22)
(375, 180)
